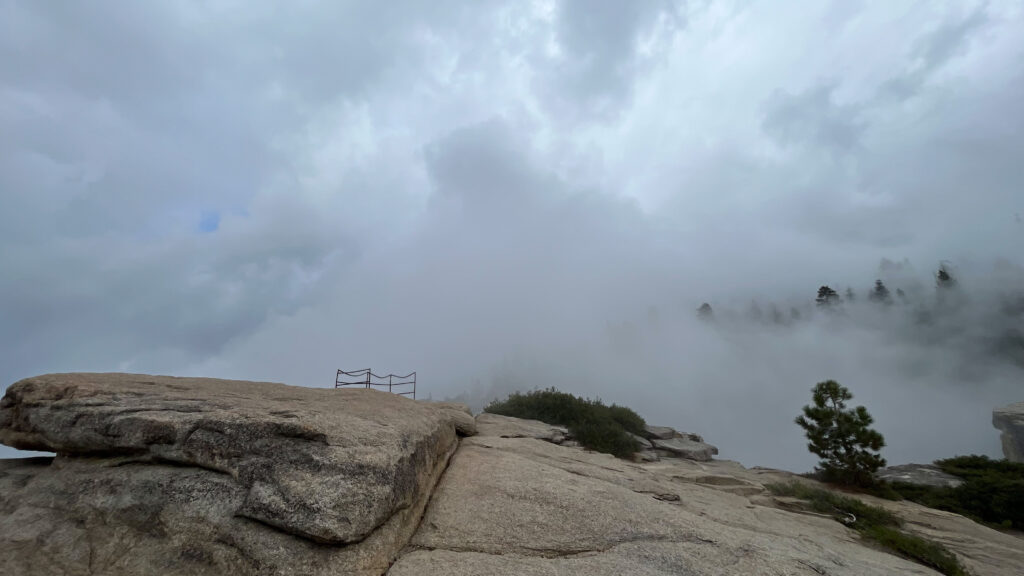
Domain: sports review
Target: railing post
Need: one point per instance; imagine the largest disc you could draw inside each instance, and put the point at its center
(368, 372)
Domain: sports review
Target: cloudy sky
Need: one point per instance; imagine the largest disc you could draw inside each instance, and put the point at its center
(483, 191)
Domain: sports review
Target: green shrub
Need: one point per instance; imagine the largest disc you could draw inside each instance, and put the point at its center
(837, 505)
(875, 524)
(918, 549)
(628, 419)
(992, 492)
(594, 425)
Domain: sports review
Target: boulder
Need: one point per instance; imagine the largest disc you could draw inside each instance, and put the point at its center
(508, 427)
(201, 476)
(685, 446)
(1010, 421)
(920, 475)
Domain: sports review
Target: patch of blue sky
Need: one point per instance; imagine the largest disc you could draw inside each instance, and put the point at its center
(209, 222)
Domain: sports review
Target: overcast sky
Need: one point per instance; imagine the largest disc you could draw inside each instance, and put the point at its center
(470, 189)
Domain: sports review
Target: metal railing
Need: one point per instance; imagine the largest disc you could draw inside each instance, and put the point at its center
(365, 378)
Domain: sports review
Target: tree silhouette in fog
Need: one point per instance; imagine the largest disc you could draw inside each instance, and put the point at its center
(827, 297)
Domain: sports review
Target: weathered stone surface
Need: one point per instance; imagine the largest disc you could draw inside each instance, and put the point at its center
(200, 476)
(686, 447)
(660, 432)
(98, 516)
(669, 558)
(920, 474)
(507, 427)
(648, 455)
(461, 416)
(457, 406)
(521, 506)
(1009, 420)
(644, 443)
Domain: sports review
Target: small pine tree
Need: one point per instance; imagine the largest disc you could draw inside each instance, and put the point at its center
(943, 279)
(827, 297)
(842, 438)
(850, 296)
(880, 294)
(947, 293)
(705, 312)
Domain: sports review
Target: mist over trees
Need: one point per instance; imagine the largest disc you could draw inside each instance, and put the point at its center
(752, 350)
(827, 298)
(880, 294)
(985, 315)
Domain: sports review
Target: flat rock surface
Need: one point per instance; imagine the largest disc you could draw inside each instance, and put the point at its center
(520, 506)
(507, 427)
(919, 474)
(523, 506)
(1009, 420)
(221, 475)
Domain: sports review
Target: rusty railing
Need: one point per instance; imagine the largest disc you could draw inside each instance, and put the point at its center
(365, 378)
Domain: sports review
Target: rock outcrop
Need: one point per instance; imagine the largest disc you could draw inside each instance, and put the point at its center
(201, 476)
(507, 427)
(667, 442)
(461, 415)
(178, 476)
(919, 474)
(660, 432)
(525, 506)
(1010, 421)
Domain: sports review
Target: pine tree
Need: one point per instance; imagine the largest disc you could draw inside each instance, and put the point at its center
(943, 279)
(827, 297)
(947, 294)
(850, 296)
(880, 294)
(842, 438)
(705, 312)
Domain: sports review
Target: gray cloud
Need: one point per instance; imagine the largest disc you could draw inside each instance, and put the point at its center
(813, 118)
(933, 50)
(600, 49)
(510, 195)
